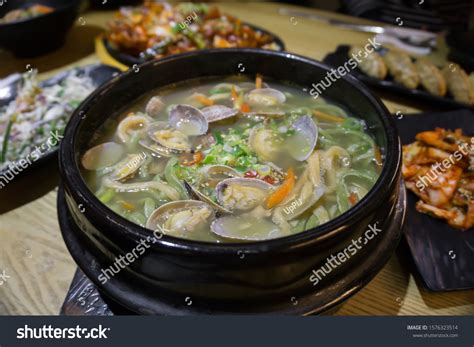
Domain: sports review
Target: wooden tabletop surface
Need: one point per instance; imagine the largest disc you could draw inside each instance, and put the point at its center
(33, 255)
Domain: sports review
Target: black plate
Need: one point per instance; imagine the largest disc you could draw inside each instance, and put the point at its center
(131, 60)
(341, 55)
(24, 186)
(444, 255)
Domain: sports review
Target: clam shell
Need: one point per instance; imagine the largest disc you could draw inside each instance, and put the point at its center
(159, 218)
(248, 193)
(196, 194)
(167, 137)
(188, 120)
(302, 143)
(154, 106)
(218, 112)
(101, 156)
(127, 167)
(266, 96)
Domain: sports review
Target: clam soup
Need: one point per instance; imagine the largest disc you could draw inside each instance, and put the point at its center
(231, 160)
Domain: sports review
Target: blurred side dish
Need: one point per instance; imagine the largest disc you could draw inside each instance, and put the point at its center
(157, 29)
(25, 13)
(439, 169)
(450, 79)
(38, 113)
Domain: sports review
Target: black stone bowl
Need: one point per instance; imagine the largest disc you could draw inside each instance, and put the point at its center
(177, 276)
(38, 35)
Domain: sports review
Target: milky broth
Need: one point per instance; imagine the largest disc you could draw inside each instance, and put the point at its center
(261, 171)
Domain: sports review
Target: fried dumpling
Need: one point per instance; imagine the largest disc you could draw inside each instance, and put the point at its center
(402, 69)
(372, 64)
(431, 77)
(459, 85)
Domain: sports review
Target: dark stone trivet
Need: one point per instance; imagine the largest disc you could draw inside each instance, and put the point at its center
(84, 299)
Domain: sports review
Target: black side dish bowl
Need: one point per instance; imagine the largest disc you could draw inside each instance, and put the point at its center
(176, 276)
(38, 35)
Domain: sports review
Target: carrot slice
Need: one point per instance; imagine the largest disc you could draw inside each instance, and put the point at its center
(197, 158)
(353, 198)
(258, 81)
(328, 117)
(245, 108)
(283, 191)
(204, 100)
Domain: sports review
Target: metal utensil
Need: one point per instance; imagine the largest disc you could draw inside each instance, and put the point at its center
(412, 37)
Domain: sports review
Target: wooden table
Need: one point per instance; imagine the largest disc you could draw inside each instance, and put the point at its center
(32, 251)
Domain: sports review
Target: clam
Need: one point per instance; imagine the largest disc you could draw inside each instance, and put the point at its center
(266, 97)
(156, 149)
(218, 112)
(172, 139)
(246, 228)
(129, 166)
(130, 125)
(178, 218)
(242, 194)
(211, 175)
(198, 195)
(302, 143)
(102, 156)
(261, 141)
(188, 120)
(154, 106)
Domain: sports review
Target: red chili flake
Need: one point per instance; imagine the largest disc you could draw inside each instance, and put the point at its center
(251, 174)
(269, 179)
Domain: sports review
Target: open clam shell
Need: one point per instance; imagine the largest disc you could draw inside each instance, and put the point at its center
(218, 112)
(266, 97)
(198, 195)
(101, 156)
(129, 166)
(172, 139)
(302, 143)
(188, 120)
(242, 194)
(211, 175)
(156, 149)
(181, 217)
